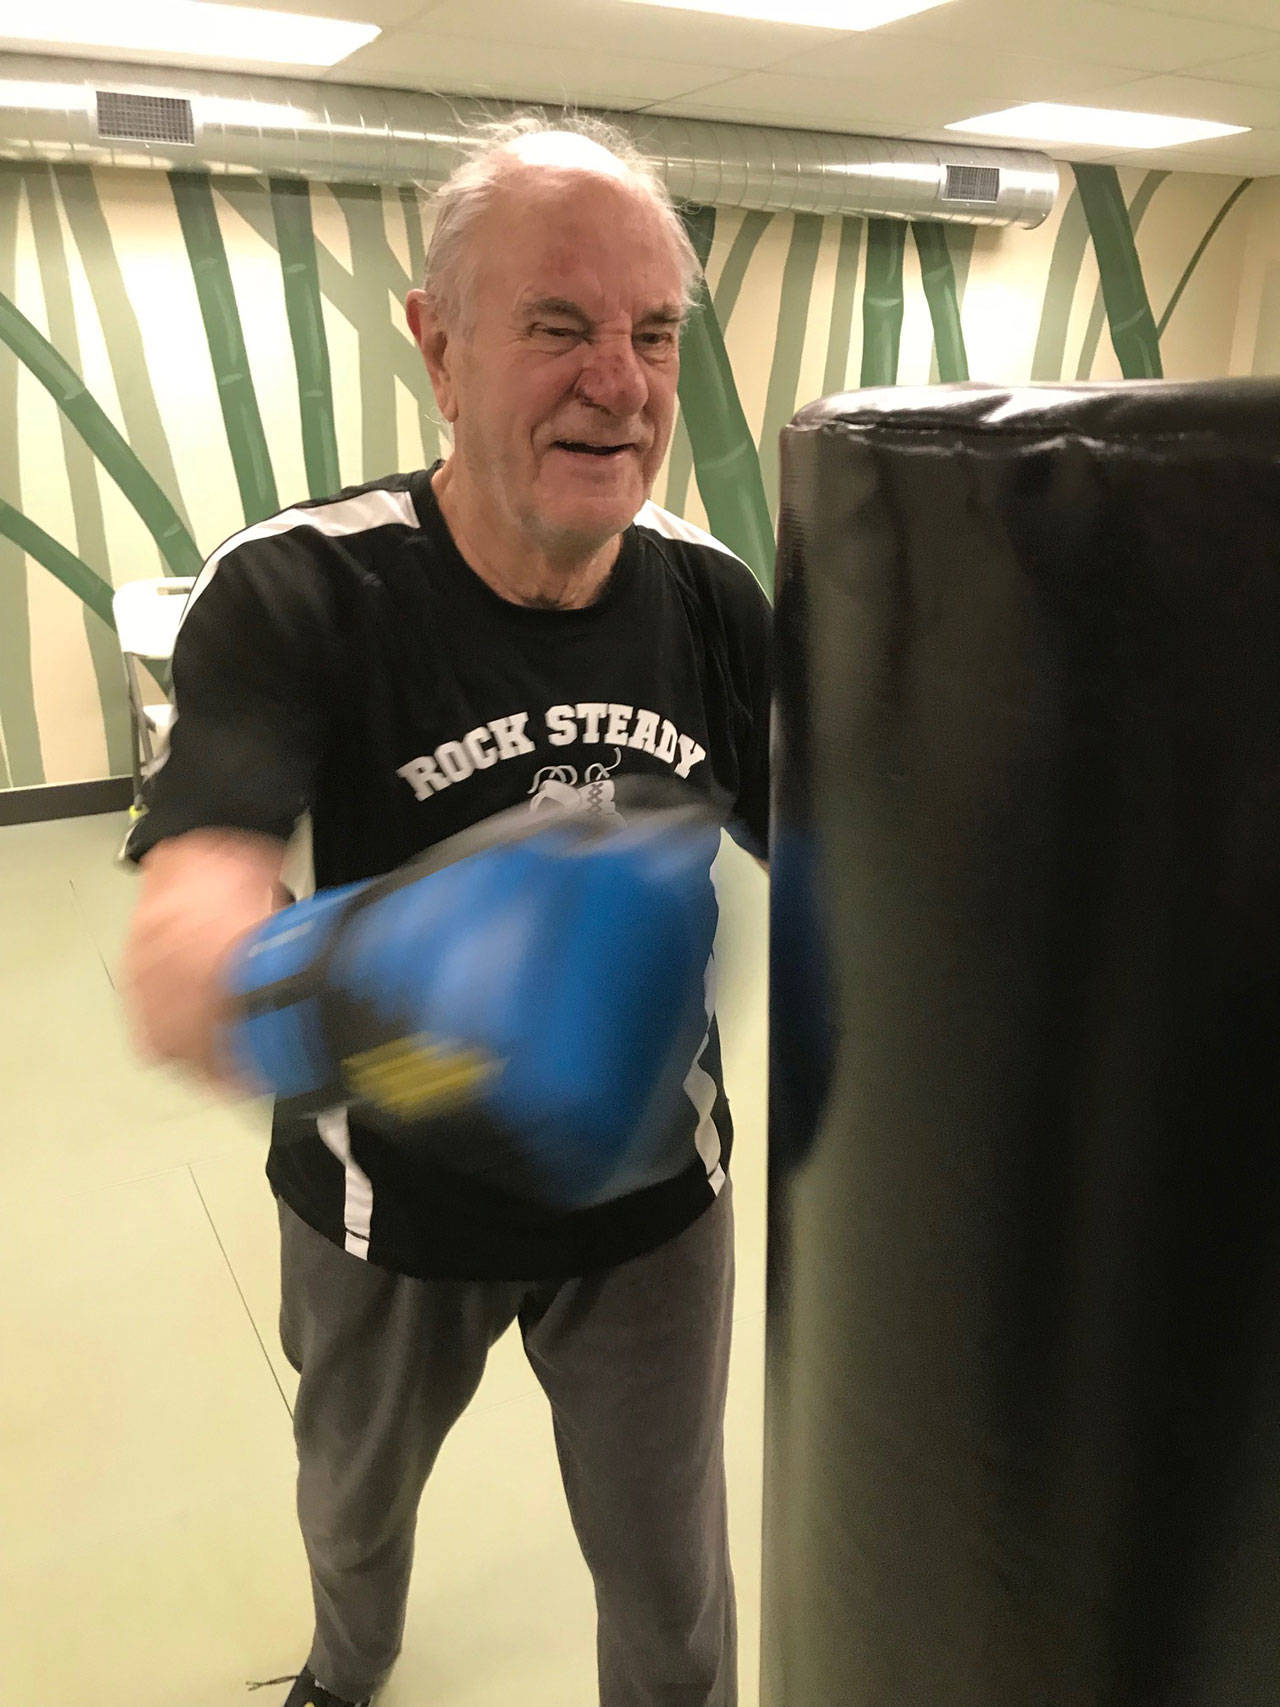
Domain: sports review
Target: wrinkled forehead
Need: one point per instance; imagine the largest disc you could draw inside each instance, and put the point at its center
(566, 232)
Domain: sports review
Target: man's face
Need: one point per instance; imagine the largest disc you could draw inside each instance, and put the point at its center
(561, 381)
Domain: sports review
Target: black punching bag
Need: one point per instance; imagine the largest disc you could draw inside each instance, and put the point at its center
(1023, 1438)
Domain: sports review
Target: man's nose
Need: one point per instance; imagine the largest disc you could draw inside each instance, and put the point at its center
(613, 377)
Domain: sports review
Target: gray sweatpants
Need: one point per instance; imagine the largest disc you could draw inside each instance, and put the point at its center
(634, 1361)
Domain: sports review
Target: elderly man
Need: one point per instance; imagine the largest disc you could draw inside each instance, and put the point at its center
(403, 661)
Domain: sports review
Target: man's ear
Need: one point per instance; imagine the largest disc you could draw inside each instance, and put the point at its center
(438, 349)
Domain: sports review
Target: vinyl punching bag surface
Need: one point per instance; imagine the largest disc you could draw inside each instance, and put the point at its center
(1023, 1436)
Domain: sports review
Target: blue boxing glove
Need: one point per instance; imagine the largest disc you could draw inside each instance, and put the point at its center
(522, 1004)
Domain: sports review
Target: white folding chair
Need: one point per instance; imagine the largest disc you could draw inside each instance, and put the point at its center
(147, 615)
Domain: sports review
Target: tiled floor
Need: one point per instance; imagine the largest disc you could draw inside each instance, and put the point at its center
(149, 1556)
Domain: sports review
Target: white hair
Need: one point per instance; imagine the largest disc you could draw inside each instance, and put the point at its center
(495, 153)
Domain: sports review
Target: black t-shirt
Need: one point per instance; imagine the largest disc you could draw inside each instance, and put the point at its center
(342, 659)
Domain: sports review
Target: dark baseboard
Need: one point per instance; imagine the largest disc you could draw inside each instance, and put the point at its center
(65, 800)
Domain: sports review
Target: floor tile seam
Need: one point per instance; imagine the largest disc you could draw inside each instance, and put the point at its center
(235, 1281)
(53, 1196)
(83, 916)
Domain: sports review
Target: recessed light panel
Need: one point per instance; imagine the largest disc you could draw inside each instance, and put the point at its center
(1043, 121)
(192, 28)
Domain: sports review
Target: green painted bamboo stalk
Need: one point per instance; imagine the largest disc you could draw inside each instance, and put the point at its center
(788, 345)
(746, 240)
(724, 300)
(960, 243)
(69, 392)
(939, 279)
(295, 239)
(1050, 358)
(377, 275)
(24, 761)
(396, 351)
(413, 237)
(1133, 327)
(835, 375)
(380, 201)
(121, 332)
(882, 301)
(679, 467)
(724, 454)
(1093, 331)
(224, 334)
(84, 582)
(1204, 243)
(82, 478)
(412, 206)
(700, 224)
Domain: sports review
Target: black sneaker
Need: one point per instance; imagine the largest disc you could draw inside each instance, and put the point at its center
(306, 1692)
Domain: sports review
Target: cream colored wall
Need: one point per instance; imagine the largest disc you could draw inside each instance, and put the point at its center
(1256, 341)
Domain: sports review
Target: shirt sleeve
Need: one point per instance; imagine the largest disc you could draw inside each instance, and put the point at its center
(254, 669)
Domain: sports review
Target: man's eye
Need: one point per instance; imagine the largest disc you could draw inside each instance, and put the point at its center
(561, 333)
(655, 340)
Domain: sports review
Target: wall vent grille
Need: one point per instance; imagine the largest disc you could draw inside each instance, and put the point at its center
(145, 118)
(972, 184)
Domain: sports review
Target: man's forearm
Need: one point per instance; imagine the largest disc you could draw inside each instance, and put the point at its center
(200, 894)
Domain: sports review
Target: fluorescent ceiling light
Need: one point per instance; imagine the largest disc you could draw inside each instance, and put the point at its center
(1044, 121)
(823, 14)
(198, 28)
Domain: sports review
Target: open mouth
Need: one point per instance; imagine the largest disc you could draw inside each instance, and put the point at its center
(579, 448)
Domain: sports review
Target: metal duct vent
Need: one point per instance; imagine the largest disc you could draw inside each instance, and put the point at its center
(145, 118)
(972, 184)
(160, 116)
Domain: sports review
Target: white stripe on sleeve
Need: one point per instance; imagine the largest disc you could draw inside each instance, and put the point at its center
(359, 514)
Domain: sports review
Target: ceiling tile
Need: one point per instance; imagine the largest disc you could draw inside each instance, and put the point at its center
(948, 138)
(1193, 165)
(382, 12)
(1255, 155)
(1254, 145)
(935, 98)
(813, 105)
(1199, 98)
(649, 32)
(1262, 14)
(899, 64)
(1111, 34)
(521, 71)
(1257, 70)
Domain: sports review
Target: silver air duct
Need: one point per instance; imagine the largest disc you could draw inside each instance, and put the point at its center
(55, 109)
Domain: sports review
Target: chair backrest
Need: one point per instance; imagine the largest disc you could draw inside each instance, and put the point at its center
(147, 615)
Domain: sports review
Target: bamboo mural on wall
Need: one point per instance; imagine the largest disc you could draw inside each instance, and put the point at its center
(181, 354)
(295, 239)
(883, 301)
(1124, 290)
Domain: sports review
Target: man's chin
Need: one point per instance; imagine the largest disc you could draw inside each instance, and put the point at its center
(588, 527)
